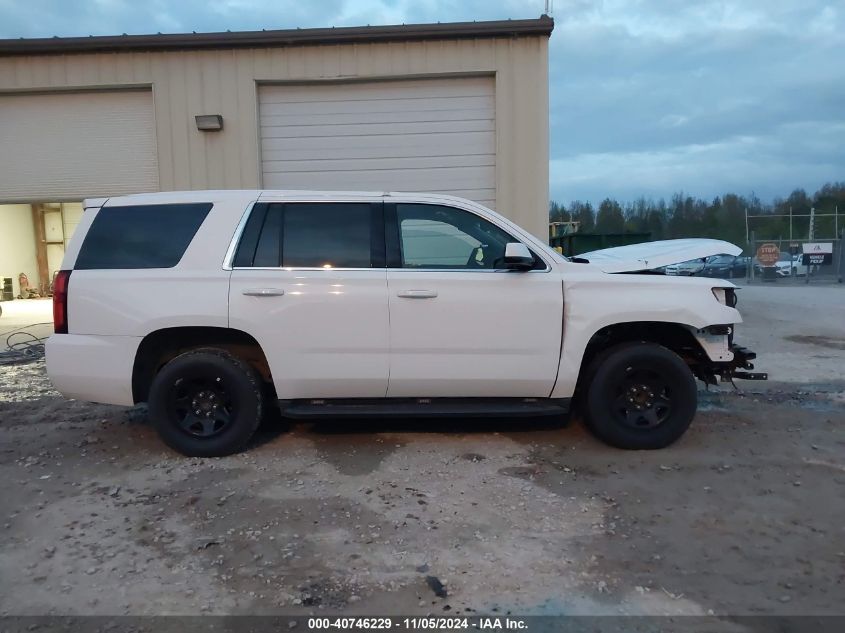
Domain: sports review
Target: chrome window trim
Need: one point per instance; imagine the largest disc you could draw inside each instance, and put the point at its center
(289, 269)
(236, 238)
(508, 271)
(283, 200)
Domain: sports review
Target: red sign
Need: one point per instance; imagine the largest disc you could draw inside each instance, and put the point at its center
(768, 254)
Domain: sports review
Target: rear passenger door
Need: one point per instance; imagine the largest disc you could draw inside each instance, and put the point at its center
(309, 284)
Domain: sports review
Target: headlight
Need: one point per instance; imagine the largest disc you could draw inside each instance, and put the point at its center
(725, 296)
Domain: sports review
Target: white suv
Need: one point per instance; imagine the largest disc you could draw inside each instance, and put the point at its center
(213, 306)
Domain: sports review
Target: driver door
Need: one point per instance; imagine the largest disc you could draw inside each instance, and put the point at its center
(460, 324)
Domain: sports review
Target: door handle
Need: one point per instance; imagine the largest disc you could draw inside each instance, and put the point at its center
(417, 294)
(263, 292)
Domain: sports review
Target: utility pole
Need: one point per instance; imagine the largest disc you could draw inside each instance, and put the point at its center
(812, 223)
(746, 226)
(791, 255)
(790, 225)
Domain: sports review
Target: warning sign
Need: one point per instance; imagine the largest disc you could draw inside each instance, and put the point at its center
(817, 253)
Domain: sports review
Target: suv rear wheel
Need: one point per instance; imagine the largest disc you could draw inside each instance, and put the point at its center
(640, 396)
(206, 403)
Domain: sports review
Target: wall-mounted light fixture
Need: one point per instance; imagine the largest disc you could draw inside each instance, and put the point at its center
(209, 122)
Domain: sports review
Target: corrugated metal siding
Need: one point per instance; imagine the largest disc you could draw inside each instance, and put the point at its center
(431, 135)
(71, 145)
(224, 82)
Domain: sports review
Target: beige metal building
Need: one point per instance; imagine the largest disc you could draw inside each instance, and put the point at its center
(458, 108)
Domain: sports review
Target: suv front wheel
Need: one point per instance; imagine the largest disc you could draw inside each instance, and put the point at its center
(640, 396)
(206, 403)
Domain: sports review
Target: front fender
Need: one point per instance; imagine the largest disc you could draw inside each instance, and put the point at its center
(593, 302)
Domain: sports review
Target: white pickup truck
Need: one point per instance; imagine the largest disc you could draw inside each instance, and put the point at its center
(213, 306)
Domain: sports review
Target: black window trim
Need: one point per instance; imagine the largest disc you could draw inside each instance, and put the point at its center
(280, 237)
(378, 245)
(234, 243)
(394, 251)
(258, 214)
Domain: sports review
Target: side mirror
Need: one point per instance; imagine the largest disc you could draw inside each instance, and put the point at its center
(518, 257)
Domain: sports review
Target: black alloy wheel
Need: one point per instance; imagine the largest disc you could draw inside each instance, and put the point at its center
(643, 398)
(206, 403)
(202, 405)
(639, 395)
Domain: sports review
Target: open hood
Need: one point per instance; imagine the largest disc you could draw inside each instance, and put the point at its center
(651, 255)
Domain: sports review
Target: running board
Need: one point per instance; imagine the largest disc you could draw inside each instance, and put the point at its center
(424, 407)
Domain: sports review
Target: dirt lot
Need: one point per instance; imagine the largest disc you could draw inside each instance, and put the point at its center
(745, 515)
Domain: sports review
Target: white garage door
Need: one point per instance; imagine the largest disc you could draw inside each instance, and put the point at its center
(427, 135)
(61, 146)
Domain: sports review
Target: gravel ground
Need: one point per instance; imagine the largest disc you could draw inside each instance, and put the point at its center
(744, 515)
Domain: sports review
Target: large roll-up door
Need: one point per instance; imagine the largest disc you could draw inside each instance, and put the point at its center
(68, 146)
(427, 135)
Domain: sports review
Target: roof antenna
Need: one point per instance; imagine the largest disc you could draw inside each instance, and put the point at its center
(550, 7)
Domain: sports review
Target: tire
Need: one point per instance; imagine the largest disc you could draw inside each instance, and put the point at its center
(206, 403)
(644, 375)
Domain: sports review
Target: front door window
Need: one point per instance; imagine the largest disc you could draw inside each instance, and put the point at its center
(434, 236)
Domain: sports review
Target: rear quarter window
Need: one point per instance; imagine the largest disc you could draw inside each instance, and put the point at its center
(143, 236)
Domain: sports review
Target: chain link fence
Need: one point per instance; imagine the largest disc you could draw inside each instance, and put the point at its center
(797, 261)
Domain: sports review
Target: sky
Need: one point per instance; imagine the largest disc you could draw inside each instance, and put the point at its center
(647, 97)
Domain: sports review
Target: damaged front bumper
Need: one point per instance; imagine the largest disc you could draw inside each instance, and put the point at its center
(742, 360)
(738, 367)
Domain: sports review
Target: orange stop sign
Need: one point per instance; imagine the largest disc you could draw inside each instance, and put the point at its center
(768, 254)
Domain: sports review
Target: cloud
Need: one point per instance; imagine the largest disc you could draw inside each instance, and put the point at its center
(108, 17)
(796, 155)
(657, 96)
(645, 95)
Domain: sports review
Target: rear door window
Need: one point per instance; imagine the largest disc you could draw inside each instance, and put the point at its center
(142, 236)
(313, 235)
(336, 235)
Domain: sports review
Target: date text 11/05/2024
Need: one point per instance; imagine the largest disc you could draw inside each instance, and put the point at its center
(419, 623)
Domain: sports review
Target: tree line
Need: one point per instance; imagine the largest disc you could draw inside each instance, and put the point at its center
(721, 218)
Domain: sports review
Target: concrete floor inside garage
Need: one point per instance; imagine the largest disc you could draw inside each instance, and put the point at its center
(33, 238)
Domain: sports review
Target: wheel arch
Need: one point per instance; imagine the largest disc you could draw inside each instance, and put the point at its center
(676, 337)
(160, 346)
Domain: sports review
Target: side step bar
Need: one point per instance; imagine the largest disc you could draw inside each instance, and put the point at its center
(424, 407)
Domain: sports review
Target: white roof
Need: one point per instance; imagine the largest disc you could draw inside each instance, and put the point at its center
(247, 195)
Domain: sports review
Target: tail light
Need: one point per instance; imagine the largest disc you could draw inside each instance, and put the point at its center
(60, 285)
